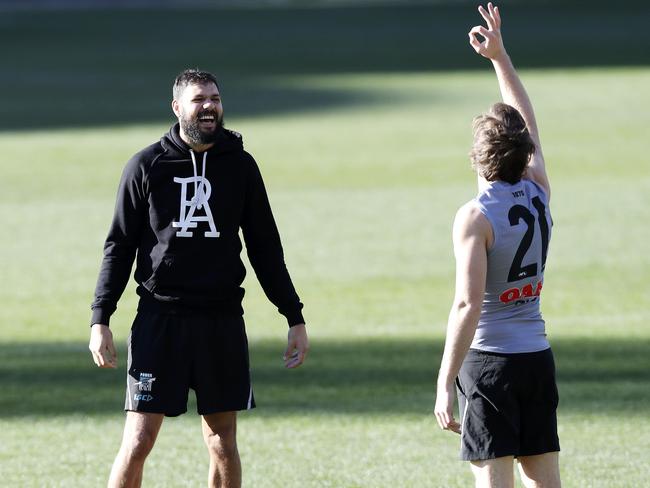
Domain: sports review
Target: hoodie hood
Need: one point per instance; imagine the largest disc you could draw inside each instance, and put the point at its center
(227, 141)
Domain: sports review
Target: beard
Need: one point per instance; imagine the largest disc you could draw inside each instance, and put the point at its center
(196, 135)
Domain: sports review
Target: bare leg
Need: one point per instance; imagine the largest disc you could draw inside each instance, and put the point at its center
(220, 436)
(140, 432)
(541, 471)
(494, 473)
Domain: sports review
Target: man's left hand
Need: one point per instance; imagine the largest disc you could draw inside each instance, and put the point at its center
(297, 346)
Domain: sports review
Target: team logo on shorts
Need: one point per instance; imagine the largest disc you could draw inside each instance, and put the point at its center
(145, 383)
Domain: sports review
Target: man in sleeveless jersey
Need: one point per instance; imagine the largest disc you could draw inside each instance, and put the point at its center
(180, 206)
(496, 353)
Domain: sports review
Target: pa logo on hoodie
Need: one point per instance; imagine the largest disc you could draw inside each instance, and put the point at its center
(202, 190)
(188, 218)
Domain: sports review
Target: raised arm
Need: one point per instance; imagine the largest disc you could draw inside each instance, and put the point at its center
(512, 89)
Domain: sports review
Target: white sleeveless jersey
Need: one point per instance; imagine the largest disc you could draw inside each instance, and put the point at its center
(511, 321)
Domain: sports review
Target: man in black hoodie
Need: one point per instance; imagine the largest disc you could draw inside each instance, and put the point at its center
(180, 205)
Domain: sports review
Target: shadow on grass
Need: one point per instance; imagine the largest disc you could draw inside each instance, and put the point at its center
(81, 68)
(373, 376)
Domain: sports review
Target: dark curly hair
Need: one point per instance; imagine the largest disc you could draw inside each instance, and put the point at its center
(502, 144)
(192, 76)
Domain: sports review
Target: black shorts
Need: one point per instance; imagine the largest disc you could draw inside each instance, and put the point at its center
(168, 354)
(508, 405)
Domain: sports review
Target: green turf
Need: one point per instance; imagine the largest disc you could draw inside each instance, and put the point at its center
(365, 169)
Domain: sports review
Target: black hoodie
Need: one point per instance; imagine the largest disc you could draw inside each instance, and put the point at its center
(188, 252)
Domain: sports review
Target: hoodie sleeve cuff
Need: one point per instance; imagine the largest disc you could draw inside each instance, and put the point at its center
(100, 316)
(295, 318)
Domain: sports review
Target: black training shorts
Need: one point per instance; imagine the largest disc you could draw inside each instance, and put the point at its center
(169, 353)
(508, 404)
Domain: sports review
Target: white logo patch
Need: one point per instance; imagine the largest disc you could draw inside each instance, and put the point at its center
(145, 383)
(188, 219)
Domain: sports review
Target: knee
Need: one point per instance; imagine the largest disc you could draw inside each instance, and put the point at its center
(138, 445)
(221, 442)
(541, 471)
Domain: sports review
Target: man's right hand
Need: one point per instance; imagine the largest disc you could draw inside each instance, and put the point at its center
(444, 409)
(101, 346)
(492, 45)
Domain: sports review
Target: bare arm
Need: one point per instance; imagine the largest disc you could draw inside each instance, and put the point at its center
(470, 235)
(512, 89)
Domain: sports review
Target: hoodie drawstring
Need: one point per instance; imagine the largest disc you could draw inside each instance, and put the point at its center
(199, 191)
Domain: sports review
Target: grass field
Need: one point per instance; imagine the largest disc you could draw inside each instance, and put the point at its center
(365, 164)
